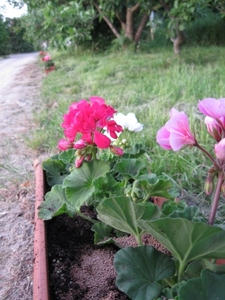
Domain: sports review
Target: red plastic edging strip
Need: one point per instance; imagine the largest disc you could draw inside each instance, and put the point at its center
(40, 279)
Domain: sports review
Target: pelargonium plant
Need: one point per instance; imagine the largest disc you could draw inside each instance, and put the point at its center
(96, 167)
(96, 161)
(176, 134)
(48, 61)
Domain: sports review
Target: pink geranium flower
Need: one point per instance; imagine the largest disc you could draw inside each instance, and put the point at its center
(176, 133)
(46, 57)
(90, 119)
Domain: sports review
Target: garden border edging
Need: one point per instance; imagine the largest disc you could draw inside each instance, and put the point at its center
(40, 271)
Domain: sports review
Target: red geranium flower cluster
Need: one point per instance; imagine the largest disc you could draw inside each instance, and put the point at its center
(90, 120)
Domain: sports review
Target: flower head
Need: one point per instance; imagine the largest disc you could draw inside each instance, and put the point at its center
(128, 121)
(176, 133)
(46, 57)
(93, 122)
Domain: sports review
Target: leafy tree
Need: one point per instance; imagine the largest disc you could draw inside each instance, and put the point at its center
(66, 20)
(60, 24)
(220, 5)
(132, 16)
(180, 14)
(17, 40)
(4, 38)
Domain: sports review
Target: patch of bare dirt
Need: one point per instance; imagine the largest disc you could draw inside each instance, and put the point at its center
(20, 81)
(79, 269)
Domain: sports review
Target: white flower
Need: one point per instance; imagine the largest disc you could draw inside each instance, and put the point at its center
(128, 121)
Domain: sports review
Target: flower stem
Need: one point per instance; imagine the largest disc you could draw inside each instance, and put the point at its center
(86, 217)
(216, 199)
(138, 239)
(181, 270)
(208, 155)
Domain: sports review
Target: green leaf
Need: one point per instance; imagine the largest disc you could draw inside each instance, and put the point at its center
(170, 206)
(106, 187)
(68, 156)
(194, 268)
(158, 188)
(55, 171)
(129, 167)
(79, 185)
(139, 270)
(119, 213)
(101, 231)
(210, 286)
(122, 214)
(181, 27)
(54, 204)
(136, 151)
(189, 213)
(186, 240)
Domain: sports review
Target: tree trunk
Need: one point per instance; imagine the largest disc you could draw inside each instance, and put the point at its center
(178, 41)
(129, 26)
(123, 24)
(111, 26)
(141, 27)
(129, 21)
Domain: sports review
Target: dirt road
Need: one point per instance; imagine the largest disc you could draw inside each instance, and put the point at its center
(20, 81)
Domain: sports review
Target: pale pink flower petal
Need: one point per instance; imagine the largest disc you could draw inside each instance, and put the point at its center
(220, 150)
(179, 141)
(209, 107)
(173, 112)
(176, 134)
(162, 138)
(180, 133)
(221, 110)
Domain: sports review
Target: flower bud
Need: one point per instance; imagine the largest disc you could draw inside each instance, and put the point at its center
(64, 145)
(214, 128)
(88, 157)
(81, 144)
(209, 185)
(116, 150)
(79, 161)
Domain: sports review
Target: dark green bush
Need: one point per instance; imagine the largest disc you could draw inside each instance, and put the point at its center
(4, 38)
(207, 30)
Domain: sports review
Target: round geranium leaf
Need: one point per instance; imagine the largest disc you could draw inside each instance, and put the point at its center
(140, 271)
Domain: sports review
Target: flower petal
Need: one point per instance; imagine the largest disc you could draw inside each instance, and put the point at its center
(101, 140)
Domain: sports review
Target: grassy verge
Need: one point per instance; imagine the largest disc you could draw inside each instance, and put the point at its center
(148, 85)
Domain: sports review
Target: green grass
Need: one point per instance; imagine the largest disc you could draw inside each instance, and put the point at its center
(148, 85)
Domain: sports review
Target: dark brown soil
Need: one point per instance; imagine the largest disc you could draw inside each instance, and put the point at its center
(78, 268)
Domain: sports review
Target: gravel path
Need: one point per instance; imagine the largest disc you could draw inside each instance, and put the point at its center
(20, 81)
